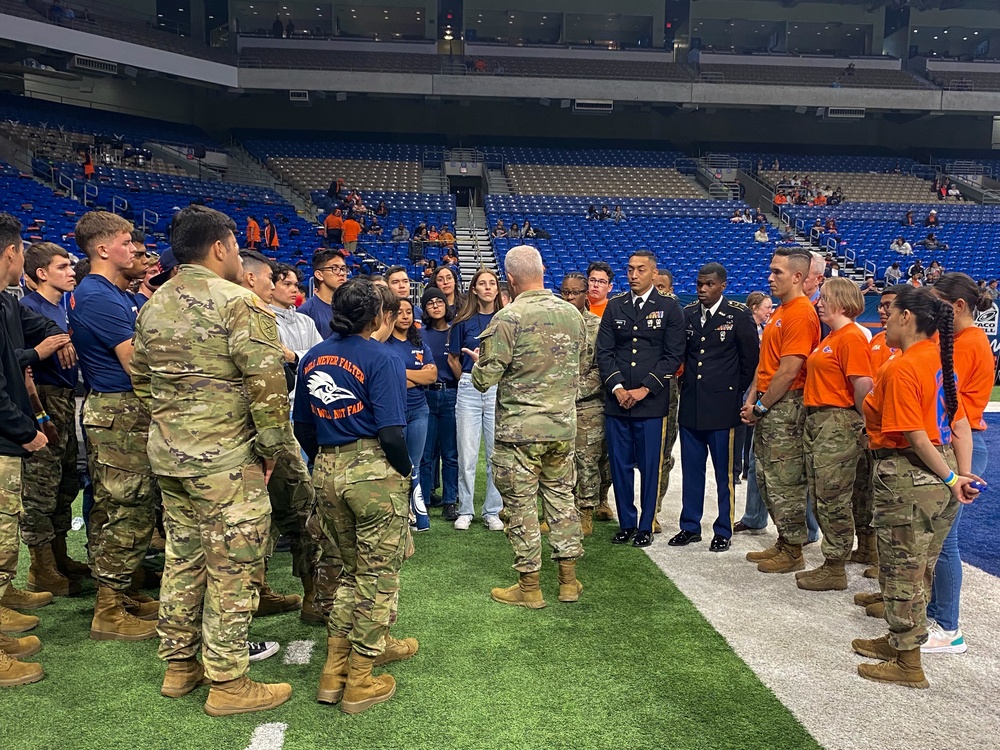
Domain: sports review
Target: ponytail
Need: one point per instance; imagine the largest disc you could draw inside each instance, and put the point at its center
(954, 286)
(945, 324)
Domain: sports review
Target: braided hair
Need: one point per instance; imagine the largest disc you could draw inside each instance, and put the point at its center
(934, 315)
(954, 286)
(356, 304)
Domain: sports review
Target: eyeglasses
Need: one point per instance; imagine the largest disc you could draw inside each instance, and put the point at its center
(572, 292)
(339, 270)
(884, 305)
(598, 282)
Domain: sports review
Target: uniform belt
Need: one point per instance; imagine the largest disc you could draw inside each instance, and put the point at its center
(907, 452)
(818, 409)
(354, 447)
(442, 385)
(796, 392)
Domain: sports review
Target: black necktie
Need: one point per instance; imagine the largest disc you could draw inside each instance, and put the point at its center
(638, 305)
(708, 317)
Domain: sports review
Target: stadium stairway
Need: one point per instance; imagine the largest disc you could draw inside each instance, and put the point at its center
(472, 243)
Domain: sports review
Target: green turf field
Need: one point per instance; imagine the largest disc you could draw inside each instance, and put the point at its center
(996, 394)
(632, 665)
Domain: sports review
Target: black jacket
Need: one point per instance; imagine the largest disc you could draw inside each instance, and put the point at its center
(640, 350)
(20, 329)
(719, 366)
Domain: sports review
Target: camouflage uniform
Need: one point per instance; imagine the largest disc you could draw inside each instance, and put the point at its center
(51, 482)
(10, 511)
(292, 501)
(914, 512)
(532, 351)
(832, 451)
(121, 522)
(781, 469)
(589, 422)
(328, 563)
(861, 497)
(208, 363)
(667, 463)
(361, 498)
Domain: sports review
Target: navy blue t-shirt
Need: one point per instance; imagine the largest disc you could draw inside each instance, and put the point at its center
(414, 358)
(101, 316)
(466, 335)
(49, 371)
(320, 312)
(350, 388)
(437, 342)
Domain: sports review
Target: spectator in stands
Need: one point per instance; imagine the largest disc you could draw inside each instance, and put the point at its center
(433, 236)
(592, 212)
(270, 235)
(514, 233)
(599, 278)
(336, 186)
(429, 268)
(849, 70)
(934, 272)
(381, 209)
(819, 200)
(915, 279)
(289, 28)
(776, 165)
(88, 166)
(604, 214)
(499, 231)
(908, 219)
(253, 233)
(56, 11)
(277, 28)
(400, 234)
(932, 219)
(737, 217)
(527, 231)
(901, 246)
(618, 215)
(446, 279)
(761, 235)
(893, 274)
(830, 225)
(374, 228)
(954, 192)
(931, 242)
(446, 239)
(869, 286)
(333, 225)
(420, 233)
(747, 217)
(917, 266)
(833, 270)
(329, 273)
(349, 234)
(992, 289)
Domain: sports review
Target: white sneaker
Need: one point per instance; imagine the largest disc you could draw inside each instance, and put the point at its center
(941, 641)
(463, 523)
(260, 650)
(493, 523)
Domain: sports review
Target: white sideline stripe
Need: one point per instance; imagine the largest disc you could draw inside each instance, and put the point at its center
(799, 643)
(299, 652)
(268, 737)
(993, 407)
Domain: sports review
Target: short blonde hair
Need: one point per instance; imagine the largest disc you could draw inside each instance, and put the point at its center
(843, 294)
(95, 227)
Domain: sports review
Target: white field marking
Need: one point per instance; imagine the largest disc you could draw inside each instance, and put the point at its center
(993, 406)
(299, 652)
(268, 737)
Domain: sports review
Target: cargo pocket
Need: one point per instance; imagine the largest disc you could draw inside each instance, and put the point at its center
(386, 595)
(892, 504)
(248, 520)
(505, 467)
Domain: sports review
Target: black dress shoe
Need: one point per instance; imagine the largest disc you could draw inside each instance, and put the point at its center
(719, 544)
(736, 480)
(683, 539)
(642, 539)
(623, 536)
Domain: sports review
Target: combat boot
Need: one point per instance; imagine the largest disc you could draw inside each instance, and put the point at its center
(20, 648)
(15, 622)
(543, 527)
(905, 669)
(657, 529)
(273, 603)
(876, 610)
(334, 677)
(362, 690)
(830, 576)
(787, 560)
(603, 512)
(14, 672)
(183, 676)
(587, 521)
(397, 650)
(66, 564)
(112, 623)
(524, 593)
(867, 551)
(243, 696)
(144, 578)
(879, 648)
(766, 554)
(44, 575)
(863, 600)
(311, 612)
(570, 587)
(15, 598)
(140, 606)
(871, 572)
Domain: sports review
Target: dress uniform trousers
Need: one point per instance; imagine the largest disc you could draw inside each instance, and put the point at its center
(696, 445)
(635, 443)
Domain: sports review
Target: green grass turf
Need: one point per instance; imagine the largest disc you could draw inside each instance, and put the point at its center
(996, 393)
(632, 665)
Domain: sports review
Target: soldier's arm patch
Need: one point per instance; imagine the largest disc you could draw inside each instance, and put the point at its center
(264, 321)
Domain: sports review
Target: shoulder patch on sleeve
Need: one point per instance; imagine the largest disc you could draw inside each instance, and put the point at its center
(691, 305)
(619, 295)
(262, 319)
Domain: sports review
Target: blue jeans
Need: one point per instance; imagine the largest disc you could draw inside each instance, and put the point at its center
(442, 438)
(415, 434)
(947, 590)
(755, 513)
(475, 418)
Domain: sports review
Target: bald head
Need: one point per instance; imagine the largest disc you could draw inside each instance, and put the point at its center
(524, 269)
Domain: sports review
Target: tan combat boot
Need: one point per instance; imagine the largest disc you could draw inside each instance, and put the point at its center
(524, 593)
(587, 521)
(787, 560)
(15, 598)
(334, 677)
(397, 650)
(15, 622)
(20, 648)
(311, 612)
(867, 551)
(905, 669)
(830, 576)
(14, 672)
(273, 603)
(871, 572)
(766, 554)
(876, 610)
(44, 575)
(141, 606)
(112, 623)
(570, 587)
(183, 676)
(603, 512)
(863, 600)
(879, 648)
(243, 696)
(362, 690)
(66, 564)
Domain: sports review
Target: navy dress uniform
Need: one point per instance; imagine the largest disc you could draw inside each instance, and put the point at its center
(640, 343)
(719, 365)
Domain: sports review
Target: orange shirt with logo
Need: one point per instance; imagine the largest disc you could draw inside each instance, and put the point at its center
(351, 231)
(881, 351)
(909, 396)
(974, 367)
(840, 356)
(332, 221)
(792, 331)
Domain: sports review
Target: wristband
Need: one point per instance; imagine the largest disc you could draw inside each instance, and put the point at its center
(43, 419)
(41, 414)
(951, 480)
(761, 406)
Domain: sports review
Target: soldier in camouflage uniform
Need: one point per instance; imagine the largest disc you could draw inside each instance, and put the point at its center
(207, 364)
(589, 408)
(532, 351)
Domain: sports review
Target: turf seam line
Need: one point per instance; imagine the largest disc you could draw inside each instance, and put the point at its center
(269, 736)
(299, 652)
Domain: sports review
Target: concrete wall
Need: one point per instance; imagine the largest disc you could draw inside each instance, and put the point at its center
(713, 58)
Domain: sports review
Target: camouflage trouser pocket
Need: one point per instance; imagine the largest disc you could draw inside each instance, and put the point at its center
(247, 521)
(505, 470)
(386, 598)
(892, 489)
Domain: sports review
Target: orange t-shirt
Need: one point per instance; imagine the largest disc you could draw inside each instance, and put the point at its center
(881, 351)
(974, 368)
(909, 396)
(840, 356)
(792, 331)
(351, 231)
(598, 309)
(253, 231)
(333, 221)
